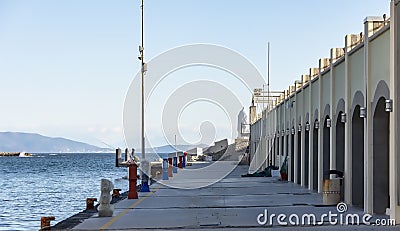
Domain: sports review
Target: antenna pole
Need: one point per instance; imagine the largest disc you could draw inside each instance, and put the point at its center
(142, 70)
(176, 150)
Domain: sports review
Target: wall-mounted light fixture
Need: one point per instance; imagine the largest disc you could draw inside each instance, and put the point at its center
(388, 105)
(316, 124)
(328, 123)
(144, 67)
(307, 126)
(343, 118)
(363, 112)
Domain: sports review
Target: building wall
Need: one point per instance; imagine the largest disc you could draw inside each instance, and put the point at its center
(356, 71)
(357, 76)
(379, 59)
(326, 88)
(339, 82)
(315, 98)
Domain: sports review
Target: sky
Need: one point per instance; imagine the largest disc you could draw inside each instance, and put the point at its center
(66, 65)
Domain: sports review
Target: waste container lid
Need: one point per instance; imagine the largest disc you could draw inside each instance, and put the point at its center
(337, 172)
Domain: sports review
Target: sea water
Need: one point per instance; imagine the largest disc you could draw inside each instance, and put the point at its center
(52, 185)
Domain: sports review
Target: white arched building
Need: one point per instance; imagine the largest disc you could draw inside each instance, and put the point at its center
(343, 115)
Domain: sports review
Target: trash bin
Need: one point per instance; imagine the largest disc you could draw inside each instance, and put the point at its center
(332, 188)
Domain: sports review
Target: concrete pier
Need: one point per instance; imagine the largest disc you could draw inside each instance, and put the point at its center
(232, 203)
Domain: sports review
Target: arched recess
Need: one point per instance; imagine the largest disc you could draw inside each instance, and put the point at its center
(357, 151)
(299, 145)
(276, 147)
(307, 150)
(287, 132)
(382, 91)
(315, 129)
(380, 149)
(292, 132)
(292, 154)
(326, 145)
(340, 136)
(282, 151)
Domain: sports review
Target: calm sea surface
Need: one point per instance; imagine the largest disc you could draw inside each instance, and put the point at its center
(52, 185)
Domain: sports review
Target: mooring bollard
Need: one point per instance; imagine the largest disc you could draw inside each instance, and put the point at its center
(146, 172)
(118, 157)
(184, 160)
(126, 154)
(165, 169)
(180, 162)
(45, 222)
(105, 208)
(170, 167)
(90, 203)
(175, 165)
(132, 194)
(116, 192)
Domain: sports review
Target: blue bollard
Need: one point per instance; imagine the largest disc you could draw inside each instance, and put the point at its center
(145, 186)
(175, 164)
(165, 169)
(145, 176)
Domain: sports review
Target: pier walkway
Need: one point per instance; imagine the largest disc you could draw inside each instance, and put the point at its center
(233, 203)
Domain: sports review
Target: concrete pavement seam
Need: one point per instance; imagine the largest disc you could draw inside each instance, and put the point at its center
(125, 211)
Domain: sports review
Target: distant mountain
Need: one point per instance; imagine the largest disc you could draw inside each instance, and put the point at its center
(36, 143)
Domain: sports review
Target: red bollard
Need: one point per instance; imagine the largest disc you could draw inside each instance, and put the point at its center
(132, 194)
(170, 167)
(90, 203)
(45, 222)
(180, 162)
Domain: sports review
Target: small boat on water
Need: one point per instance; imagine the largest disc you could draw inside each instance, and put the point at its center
(24, 154)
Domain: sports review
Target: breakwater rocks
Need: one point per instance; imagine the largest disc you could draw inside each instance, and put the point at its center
(15, 154)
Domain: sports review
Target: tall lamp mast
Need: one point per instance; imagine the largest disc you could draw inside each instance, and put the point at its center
(145, 177)
(141, 50)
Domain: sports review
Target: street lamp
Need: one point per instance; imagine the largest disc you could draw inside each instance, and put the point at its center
(145, 164)
(328, 123)
(343, 118)
(316, 124)
(363, 112)
(307, 126)
(388, 105)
